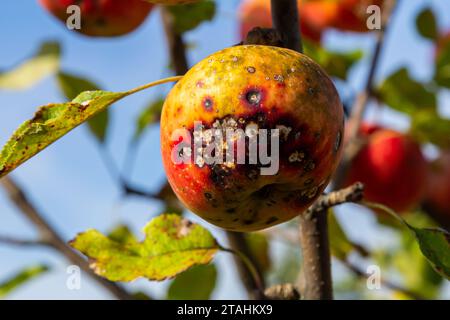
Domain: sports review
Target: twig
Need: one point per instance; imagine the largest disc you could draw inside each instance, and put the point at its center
(22, 242)
(286, 21)
(361, 101)
(353, 193)
(50, 236)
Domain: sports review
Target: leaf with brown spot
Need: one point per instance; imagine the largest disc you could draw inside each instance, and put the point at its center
(53, 121)
(171, 246)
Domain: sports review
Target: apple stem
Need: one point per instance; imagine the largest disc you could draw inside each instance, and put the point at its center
(286, 21)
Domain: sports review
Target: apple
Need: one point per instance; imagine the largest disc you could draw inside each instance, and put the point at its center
(439, 184)
(352, 14)
(276, 98)
(392, 167)
(102, 18)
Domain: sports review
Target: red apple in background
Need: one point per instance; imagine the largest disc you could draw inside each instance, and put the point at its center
(392, 167)
(439, 184)
(102, 18)
(352, 15)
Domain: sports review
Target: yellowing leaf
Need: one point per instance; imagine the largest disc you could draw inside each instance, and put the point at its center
(50, 123)
(44, 63)
(53, 121)
(71, 86)
(171, 246)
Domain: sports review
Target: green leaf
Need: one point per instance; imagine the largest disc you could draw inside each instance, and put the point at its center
(442, 72)
(197, 283)
(433, 242)
(21, 278)
(71, 86)
(435, 246)
(426, 24)
(190, 16)
(171, 246)
(337, 64)
(402, 93)
(417, 273)
(429, 126)
(50, 123)
(53, 121)
(44, 63)
(151, 114)
(259, 248)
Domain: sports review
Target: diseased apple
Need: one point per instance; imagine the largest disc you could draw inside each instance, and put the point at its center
(392, 167)
(315, 16)
(439, 184)
(243, 90)
(102, 18)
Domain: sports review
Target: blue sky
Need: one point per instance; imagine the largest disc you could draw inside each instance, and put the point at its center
(68, 181)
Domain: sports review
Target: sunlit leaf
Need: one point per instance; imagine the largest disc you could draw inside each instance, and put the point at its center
(171, 246)
(71, 86)
(148, 116)
(197, 283)
(21, 278)
(426, 24)
(402, 93)
(53, 121)
(190, 16)
(44, 63)
(337, 64)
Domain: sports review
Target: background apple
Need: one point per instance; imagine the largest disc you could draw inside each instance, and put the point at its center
(392, 168)
(102, 18)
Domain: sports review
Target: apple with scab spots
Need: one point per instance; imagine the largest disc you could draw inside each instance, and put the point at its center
(102, 18)
(233, 111)
(392, 168)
